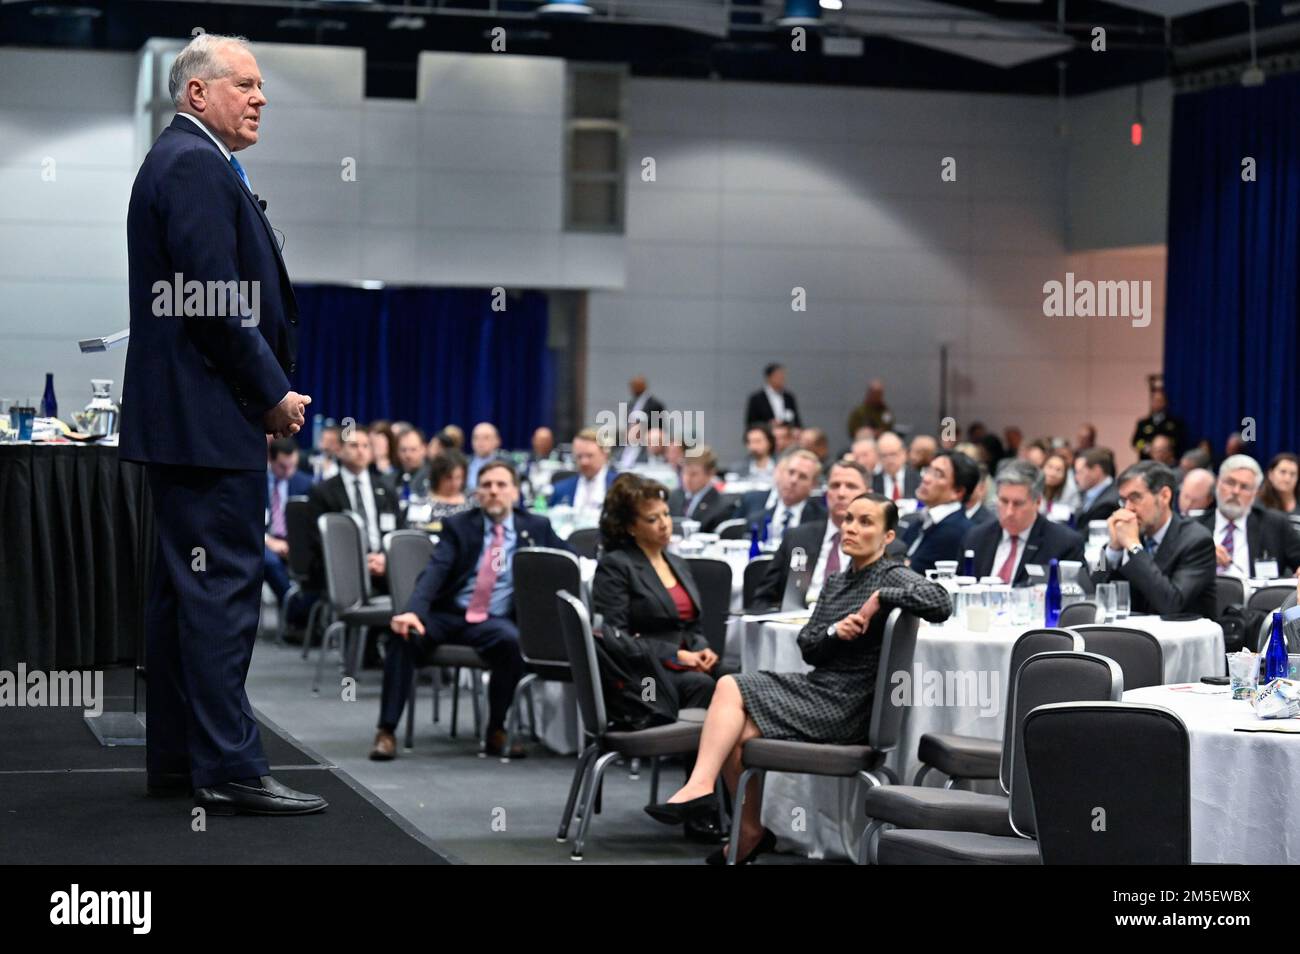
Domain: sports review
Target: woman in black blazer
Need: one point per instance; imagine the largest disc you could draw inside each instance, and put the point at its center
(643, 590)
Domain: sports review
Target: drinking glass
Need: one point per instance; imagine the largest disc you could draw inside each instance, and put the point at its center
(1106, 602)
(1123, 597)
(1022, 606)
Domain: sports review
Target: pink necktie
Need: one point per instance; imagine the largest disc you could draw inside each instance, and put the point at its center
(1228, 535)
(833, 561)
(477, 611)
(277, 512)
(1005, 572)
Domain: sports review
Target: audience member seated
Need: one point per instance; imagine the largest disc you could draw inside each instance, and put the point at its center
(1196, 493)
(830, 704)
(325, 462)
(283, 480)
(383, 445)
(978, 509)
(1278, 492)
(447, 489)
(356, 488)
(542, 448)
(585, 491)
(814, 439)
(759, 462)
(1162, 451)
(784, 438)
(863, 452)
(921, 451)
(1094, 473)
(873, 412)
(1034, 453)
(788, 504)
(1195, 459)
(465, 596)
(412, 476)
(642, 590)
(485, 442)
(1245, 532)
(450, 437)
(1021, 535)
(816, 545)
(1058, 489)
(772, 404)
(697, 498)
(1167, 559)
(1085, 438)
(946, 486)
(895, 479)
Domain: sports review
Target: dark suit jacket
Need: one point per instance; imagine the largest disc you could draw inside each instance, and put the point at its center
(758, 409)
(196, 387)
(712, 509)
(753, 510)
(943, 541)
(1047, 541)
(983, 515)
(1269, 535)
(1178, 579)
(331, 496)
(300, 485)
(456, 557)
(566, 491)
(911, 480)
(628, 595)
(771, 588)
(1105, 505)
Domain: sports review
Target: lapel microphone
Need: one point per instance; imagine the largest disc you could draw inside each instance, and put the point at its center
(259, 201)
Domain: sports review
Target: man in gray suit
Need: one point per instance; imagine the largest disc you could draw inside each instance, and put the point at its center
(1167, 559)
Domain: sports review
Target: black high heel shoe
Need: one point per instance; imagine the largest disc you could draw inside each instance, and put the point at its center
(765, 844)
(677, 813)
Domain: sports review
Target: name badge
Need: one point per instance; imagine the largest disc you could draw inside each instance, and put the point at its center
(1266, 569)
(387, 523)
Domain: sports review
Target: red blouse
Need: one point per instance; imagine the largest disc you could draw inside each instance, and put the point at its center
(682, 600)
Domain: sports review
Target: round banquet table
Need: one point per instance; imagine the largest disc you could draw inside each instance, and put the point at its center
(1243, 805)
(818, 815)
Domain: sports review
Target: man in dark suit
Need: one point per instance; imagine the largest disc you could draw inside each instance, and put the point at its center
(586, 490)
(772, 404)
(1158, 422)
(814, 545)
(357, 488)
(1020, 535)
(212, 346)
(697, 498)
(976, 512)
(1094, 472)
(945, 487)
(896, 479)
(1243, 532)
(412, 474)
(1167, 559)
(283, 480)
(465, 596)
(789, 503)
(645, 405)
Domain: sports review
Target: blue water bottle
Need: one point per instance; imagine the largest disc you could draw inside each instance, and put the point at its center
(753, 541)
(968, 564)
(49, 405)
(1276, 664)
(1053, 614)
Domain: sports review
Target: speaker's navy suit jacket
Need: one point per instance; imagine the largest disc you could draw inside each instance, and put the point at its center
(196, 387)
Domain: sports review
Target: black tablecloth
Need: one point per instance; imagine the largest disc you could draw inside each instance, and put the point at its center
(76, 545)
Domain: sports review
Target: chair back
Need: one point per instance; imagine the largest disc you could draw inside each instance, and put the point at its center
(539, 574)
(1132, 761)
(1045, 679)
(1137, 652)
(896, 651)
(713, 578)
(299, 528)
(575, 626)
(560, 476)
(735, 529)
(1228, 591)
(754, 571)
(343, 541)
(585, 542)
(1266, 626)
(1270, 598)
(406, 554)
(1030, 643)
(1078, 614)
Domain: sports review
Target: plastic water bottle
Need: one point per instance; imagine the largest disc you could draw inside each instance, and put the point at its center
(1276, 663)
(968, 564)
(1053, 614)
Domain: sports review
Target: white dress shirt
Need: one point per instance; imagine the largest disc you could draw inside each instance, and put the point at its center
(774, 532)
(824, 556)
(901, 479)
(590, 494)
(198, 122)
(1240, 565)
(361, 494)
(777, 400)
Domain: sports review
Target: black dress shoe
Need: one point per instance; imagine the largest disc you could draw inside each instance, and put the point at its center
(168, 784)
(705, 830)
(676, 813)
(765, 844)
(267, 797)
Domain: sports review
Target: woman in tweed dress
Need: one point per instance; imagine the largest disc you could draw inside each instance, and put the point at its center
(831, 704)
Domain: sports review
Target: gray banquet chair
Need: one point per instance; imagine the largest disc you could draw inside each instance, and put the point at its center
(347, 587)
(713, 577)
(754, 572)
(1138, 652)
(585, 542)
(299, 528)
(1078, 614)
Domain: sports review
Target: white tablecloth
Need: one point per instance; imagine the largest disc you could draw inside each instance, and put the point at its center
(1244, 809)
(1192, 649)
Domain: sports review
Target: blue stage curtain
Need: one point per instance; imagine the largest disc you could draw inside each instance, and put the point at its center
(1231, 302)
(431, 356)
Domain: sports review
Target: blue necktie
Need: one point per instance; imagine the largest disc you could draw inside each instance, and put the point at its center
(240, 169)
(1150, 544)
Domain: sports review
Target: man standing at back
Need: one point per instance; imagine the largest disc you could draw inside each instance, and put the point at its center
(206, 383)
